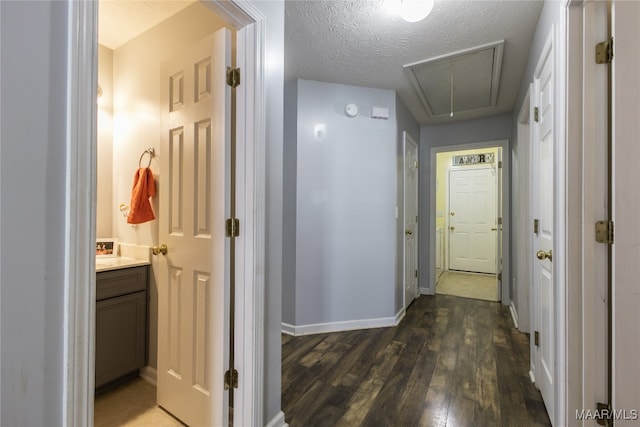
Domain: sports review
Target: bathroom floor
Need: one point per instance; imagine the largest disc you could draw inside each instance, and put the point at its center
(469, 285)
(131, 404)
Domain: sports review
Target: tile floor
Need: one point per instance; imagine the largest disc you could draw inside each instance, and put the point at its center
(469, 285)
(131, 404)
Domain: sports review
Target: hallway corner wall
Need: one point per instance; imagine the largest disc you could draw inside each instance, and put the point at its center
(345, 198)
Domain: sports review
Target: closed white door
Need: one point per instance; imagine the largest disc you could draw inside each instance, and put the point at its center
(191, 276)
(542, 197)
(410, 220)
(472, 220)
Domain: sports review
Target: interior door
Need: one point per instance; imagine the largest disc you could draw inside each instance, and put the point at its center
(472, 220)
(410, 220)
(191, 280)
(543, 194)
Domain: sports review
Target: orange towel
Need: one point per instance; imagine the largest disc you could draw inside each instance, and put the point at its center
(143, 188)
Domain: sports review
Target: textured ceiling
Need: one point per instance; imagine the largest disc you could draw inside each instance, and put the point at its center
(360, 43)
(123, 20)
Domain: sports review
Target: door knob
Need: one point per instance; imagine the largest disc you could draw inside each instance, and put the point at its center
(162, 249)
(409, 232)
(494, 229)
(545, 255)
(452, 228)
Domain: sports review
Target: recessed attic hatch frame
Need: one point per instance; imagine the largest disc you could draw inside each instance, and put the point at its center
(476, 79)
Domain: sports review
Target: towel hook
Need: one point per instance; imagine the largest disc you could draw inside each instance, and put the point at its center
(151, 152)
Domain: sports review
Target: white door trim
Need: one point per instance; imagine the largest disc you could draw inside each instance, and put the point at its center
(505, 214)
(79, 347)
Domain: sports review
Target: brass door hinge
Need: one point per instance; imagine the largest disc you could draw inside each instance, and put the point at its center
(416, 273)
(536, 338)
(233, 77)
(604, 52)
(500, 220)
(232, 227)
(536, 226)
(536, 114)
(500, 164)
(231, 379)
(499, 277)
(604, 232)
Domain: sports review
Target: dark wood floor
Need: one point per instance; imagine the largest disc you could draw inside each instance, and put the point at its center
(451, 362)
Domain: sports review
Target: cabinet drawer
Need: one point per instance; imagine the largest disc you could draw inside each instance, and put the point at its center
(113, 283)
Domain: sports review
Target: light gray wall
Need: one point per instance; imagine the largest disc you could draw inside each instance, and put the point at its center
(471, 131)
(290, 189)
(274, 88)
(32, 214)
(346, 198)
(406, 122)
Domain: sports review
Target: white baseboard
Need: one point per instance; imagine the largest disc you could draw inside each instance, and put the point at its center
(349, 325)
(149, 374)
(278, 421)
(425, 291)
(514, 314)
(288, 329)
(532, 377)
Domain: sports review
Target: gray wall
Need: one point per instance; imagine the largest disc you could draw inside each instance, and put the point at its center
(274, 88)
(345, 251)
(406, 122)
(290, 190)
(454, 134)
(32, 214)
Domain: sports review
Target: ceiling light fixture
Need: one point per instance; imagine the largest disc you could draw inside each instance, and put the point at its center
(415, 10)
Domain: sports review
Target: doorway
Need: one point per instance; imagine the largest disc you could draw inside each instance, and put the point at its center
(248, 21)
(468, 222)
(130, 123)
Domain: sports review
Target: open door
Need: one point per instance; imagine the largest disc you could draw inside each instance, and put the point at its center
(191, 281)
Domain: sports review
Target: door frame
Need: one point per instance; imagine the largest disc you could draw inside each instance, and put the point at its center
(405, 136)
(79, 283)
(505, 214)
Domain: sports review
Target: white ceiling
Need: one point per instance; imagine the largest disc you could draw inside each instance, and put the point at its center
(361, 43)
(122, 20)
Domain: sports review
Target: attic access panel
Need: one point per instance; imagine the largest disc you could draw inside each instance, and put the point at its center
(476, 80)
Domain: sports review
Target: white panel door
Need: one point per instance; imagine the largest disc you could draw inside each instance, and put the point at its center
(472, 220)
(191, 278)
(543, 194)
(410, 220)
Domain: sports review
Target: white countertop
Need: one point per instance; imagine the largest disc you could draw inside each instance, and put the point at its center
(117, 263)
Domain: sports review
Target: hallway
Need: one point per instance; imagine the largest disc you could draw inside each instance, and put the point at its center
(451, 362)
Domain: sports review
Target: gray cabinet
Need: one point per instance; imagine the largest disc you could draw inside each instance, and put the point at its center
(121, 323)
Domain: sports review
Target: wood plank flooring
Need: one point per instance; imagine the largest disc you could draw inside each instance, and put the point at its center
(451, 362)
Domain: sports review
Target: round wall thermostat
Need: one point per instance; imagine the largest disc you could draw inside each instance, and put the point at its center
(351, 110)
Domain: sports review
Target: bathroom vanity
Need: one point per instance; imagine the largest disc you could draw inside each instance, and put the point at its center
(121, 319)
